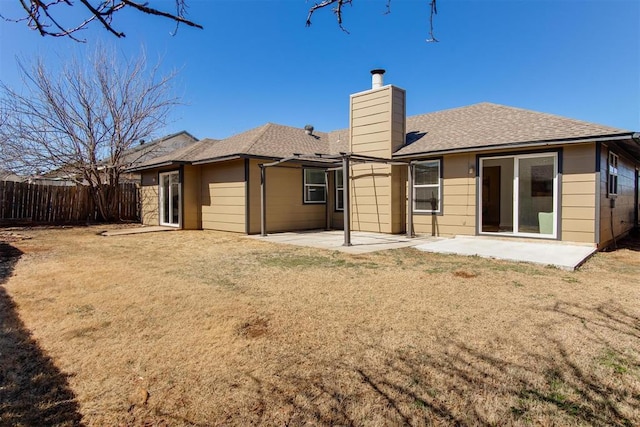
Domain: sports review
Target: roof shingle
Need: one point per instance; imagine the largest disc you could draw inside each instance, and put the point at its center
(479, 126)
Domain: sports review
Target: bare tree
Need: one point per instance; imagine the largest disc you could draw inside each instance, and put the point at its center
(82, 119)
(47, 16)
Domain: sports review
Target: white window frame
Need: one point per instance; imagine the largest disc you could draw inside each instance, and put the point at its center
(516, 198)
(612, 174)
(307, 186)
(161, 193)
(438, 186)
(339, 186)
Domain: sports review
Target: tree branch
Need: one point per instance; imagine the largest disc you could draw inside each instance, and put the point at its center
(337, 10)
(42, 15)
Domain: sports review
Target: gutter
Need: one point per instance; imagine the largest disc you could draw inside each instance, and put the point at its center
(618, 137)
(155, 166)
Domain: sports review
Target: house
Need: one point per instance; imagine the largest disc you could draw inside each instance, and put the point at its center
(148, 150)
(71, 174)
(483, 169)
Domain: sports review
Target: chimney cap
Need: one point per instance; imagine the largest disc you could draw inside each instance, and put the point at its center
(378, 71)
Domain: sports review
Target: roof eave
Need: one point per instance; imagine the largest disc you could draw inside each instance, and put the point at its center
(156, 165)
(528, 144)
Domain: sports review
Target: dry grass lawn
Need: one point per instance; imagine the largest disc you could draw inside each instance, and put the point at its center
(208, 328)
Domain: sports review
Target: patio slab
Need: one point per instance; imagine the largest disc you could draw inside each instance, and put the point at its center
(558, 254)
(361, 242)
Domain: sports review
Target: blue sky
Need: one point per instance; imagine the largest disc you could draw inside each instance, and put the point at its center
(255, 62)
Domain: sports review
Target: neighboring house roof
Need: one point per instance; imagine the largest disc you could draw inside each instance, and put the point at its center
(476, 126)
(158, 147)
(10, 176)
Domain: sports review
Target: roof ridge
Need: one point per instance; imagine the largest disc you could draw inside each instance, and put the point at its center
(257, 137)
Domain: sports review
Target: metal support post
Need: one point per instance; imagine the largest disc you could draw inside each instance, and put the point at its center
(410, 203)
(346, 200)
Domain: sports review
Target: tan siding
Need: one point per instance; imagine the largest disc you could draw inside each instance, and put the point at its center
(223, 196)
(579, 159)
(458, 201)
(576, 236)
(377, 128)
(254, 196)
(371, 198)
(191, 212)
(624, 210)
(149, 198)
(578, 193)
(579, 187)
(579, 213)
(285, 208)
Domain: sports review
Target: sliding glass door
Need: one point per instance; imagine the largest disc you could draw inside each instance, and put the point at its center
(170, 206)
(519, 195)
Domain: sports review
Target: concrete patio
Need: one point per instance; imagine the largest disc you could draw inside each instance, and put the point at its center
(361, 242)
(562, 255)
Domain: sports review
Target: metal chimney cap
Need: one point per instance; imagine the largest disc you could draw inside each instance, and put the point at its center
(308, 129)
(378, 71)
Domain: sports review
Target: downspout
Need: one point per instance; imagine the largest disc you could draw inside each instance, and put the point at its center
(327, 209)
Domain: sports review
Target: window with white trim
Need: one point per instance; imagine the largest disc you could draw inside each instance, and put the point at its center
(338, 178)
(612, 174)
(427, 186)
(315, 186)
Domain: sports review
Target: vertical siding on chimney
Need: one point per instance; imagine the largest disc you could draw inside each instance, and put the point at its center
(377, 128)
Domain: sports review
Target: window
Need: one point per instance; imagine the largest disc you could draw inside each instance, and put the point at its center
(426, 186)
(339, 190)
(315, 187)
(612, 174)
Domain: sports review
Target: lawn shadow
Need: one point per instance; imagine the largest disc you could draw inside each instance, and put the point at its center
(33, 391)
(456, 383)
(630, 242)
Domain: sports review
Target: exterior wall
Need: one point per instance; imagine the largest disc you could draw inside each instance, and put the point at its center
(254, 196)
(577, 190)
(149, 198)
(458, 215)
(222, 196)
(620, 219)
(285, 210)
(578, 194)
(191, 194)
(377, 128)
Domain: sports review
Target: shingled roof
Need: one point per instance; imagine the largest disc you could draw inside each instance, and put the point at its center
(147, 151)
(270, 140)
(487, 125)
(477, 126)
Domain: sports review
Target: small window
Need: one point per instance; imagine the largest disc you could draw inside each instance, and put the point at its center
(315, 187)
(339, 190)
(612, 174)
(426, 186)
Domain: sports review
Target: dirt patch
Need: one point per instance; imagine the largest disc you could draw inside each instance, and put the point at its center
(465, 274)
(205, 328)
(254, 328)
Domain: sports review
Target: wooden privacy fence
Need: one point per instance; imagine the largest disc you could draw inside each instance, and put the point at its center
(36, 203)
